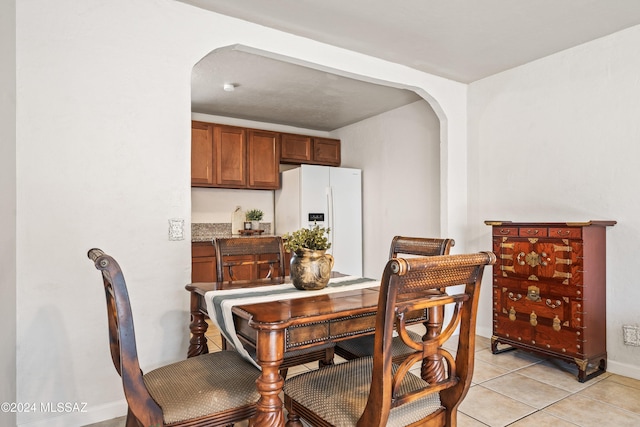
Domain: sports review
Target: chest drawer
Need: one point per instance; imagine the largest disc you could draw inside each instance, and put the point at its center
(558, 261)
(532, 232)
(565, 232)
(567, 342)
(505, 231)
(548, 308)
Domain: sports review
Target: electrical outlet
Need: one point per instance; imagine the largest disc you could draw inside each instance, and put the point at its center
(631, 335)
(176, 229)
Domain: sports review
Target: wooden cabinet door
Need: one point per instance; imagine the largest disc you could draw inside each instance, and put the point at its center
(326, 151)
(203, 269)
(202, 167)
(203, 262)
(230, 148)
(295, 148)
(263, 159)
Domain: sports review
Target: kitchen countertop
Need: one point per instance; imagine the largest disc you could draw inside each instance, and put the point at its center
(206, 232)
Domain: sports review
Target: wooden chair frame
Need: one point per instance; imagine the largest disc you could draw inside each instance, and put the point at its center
(406, 286)
(267, 245)
(143, 411)
(415, 246)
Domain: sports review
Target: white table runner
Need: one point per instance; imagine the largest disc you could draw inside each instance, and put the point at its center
(220, 302)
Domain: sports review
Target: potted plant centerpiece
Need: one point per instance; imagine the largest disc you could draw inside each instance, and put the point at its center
(310, 264)
(254, 216)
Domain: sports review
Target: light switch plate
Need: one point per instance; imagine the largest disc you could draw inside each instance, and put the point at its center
(176, 229)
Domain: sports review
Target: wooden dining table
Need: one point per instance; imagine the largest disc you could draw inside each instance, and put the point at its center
(273, 328)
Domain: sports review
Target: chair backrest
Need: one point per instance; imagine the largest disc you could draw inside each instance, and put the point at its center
(405, 287)
(122, 340)
(420, 246)
(249, 257)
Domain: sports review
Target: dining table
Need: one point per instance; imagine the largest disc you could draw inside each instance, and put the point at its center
(267, 318)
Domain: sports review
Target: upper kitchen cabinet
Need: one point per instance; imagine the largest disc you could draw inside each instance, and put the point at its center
(230, 156)
(299, 149)
(263, 158)
(202, 173)
(234, 157)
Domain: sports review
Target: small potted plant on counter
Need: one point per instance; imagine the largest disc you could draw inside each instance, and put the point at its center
(310, 264)
(254, 216)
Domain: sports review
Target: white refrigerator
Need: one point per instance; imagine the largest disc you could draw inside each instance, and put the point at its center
(330, 197)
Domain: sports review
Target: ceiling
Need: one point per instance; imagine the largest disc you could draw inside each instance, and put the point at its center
(462, 40)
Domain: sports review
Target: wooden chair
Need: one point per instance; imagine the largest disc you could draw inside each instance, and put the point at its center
(210, 390)
(262, 257)
(373, 391)
(250, 257)
(414, 246)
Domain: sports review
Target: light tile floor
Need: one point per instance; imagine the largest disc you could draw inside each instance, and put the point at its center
(519, 389)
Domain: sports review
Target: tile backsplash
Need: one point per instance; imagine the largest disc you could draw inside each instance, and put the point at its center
(204, 232)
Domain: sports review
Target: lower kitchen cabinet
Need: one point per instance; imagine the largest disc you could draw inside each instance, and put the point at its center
(549, 291)
(203, 264)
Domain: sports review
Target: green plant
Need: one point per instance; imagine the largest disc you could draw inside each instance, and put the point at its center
(307, 238)
(254, 215)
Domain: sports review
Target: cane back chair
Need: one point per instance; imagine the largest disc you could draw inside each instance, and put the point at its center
(400, 245)
(214, 389)
(262, 257)
(239, 258)
(375, 392)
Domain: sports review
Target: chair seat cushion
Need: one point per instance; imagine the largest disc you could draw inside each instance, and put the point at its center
(363, 346)
(203, 385)
(338, 394)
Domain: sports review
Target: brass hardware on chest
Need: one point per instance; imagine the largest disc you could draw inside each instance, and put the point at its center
(533, 293)
(558, 248)
(561, 274)
(512, 314)
(513, 297)
(533, 319)
(552, 304)
(556, 324)
(533, 259)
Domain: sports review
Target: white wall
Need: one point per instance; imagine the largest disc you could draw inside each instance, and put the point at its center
(399, 153)
(103, 130)
(557, 140)
(8, 208)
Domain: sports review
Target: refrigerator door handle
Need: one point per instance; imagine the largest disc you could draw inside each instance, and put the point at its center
(330, 213)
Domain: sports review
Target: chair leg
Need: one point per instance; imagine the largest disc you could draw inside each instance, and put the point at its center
(328, 358)
(225, 344)
(131, 420)
(293, 421)
(284, 372)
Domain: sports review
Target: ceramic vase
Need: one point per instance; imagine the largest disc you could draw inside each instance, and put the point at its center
(310, 270)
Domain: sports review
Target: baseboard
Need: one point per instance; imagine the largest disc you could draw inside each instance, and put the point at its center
(623, 369)
(92, 414)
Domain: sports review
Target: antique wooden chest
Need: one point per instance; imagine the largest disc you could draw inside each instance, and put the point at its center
(549, 291)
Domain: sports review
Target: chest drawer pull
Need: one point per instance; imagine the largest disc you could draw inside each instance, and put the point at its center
(512, 314)
(533, 319)
(514, 297)
(533, 293)
(552, 304)
(556, 324)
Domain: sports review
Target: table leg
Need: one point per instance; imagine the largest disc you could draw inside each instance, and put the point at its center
(198, 327)
(270, 352)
